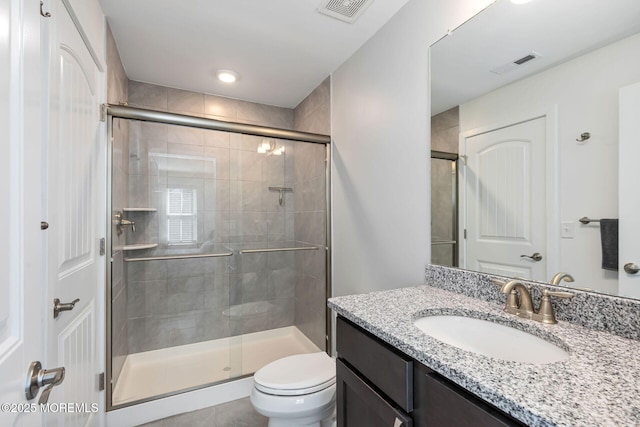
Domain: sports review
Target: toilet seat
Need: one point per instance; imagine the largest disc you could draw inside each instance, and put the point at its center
(296, 375)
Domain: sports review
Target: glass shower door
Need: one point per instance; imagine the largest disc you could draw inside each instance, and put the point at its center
(170, 191)
(444, 245)
(219, 256)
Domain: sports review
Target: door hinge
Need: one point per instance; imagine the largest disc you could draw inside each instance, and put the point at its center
(101, 381)
(103, 246)
(464, 234)
(103, 112)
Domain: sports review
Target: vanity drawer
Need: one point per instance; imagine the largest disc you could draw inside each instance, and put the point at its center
(386, 368)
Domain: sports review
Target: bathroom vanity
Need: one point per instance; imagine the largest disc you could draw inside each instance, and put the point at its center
(390, 373)
(378, 385)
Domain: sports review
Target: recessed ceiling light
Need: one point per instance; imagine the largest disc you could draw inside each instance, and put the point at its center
(227, 76)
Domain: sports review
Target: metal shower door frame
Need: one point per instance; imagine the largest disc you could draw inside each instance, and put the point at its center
(109, 112)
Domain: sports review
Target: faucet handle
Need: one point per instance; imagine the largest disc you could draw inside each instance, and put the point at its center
(558, 294)
(546, 312)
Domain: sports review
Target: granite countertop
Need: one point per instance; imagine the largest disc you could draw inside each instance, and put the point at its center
(598, 385)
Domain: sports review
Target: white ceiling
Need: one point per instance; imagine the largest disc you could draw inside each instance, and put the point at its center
(282, 49)
(504, 32)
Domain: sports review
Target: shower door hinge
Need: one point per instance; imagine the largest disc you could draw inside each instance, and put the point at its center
(103, 112)
(103, 246)
(101, 381)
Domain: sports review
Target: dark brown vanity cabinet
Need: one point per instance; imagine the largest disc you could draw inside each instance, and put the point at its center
(374, 381)
(377, 385)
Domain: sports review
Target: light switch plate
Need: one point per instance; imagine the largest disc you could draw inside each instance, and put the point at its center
(568, 229)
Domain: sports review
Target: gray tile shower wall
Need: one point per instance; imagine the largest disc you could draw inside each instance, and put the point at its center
(311, 115)
(117, 91)
(445, 128)
(145, 95)
(444, 137)
(209, 300)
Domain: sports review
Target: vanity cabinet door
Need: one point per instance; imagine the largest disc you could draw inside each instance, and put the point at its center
(443, 404)
(389, 370)
(360, 405)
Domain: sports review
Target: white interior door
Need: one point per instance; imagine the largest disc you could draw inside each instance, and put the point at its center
(504, 198)
(629, 202)
(74, 198)
(21, 273)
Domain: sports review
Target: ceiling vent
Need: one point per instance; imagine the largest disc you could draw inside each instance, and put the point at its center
(344, 10)
(510, 66)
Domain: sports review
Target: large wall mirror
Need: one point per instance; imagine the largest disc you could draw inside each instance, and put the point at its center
(528, 97)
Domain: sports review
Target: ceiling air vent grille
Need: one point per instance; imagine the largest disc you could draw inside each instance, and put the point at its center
(344, 10)
(510, 66)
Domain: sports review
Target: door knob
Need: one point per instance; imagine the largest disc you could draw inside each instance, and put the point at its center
(536, 257)
(631, 268)
(38, 377)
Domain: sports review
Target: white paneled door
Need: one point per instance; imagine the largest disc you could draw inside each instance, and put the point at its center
(76, 165)
(504, 199)
(20, 246)
(629, 202)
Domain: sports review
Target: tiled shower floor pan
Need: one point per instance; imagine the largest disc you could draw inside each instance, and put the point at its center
(153, 373)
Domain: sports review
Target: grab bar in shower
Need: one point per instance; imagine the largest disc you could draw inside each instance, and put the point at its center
(255, 251)
(160, 258)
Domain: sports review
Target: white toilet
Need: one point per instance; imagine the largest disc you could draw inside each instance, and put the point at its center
(297, 391)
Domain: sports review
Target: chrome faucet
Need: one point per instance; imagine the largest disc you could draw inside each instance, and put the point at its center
(522, 306)
(558, 277)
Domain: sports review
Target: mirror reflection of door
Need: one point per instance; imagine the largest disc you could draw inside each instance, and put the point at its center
(504, 200)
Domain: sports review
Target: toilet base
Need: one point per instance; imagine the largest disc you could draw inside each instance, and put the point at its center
(310, 410)
(328, 420)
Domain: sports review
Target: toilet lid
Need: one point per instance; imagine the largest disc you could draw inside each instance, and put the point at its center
(299, 374)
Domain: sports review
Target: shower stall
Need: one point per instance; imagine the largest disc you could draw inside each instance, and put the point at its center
(218, 251)
(444, 208)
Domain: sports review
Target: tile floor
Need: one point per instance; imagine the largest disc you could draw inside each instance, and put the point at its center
(238, 413)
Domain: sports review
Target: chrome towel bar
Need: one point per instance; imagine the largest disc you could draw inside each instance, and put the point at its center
(224, 254)
(586, 220)
(255, 251)
(160, 258)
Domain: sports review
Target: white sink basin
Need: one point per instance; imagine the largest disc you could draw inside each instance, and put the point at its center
(491, 339)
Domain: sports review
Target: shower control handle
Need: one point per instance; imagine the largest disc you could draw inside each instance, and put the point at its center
(120, 223)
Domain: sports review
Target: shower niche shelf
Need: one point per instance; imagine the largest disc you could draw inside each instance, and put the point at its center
(139, 209)
(139, 246)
